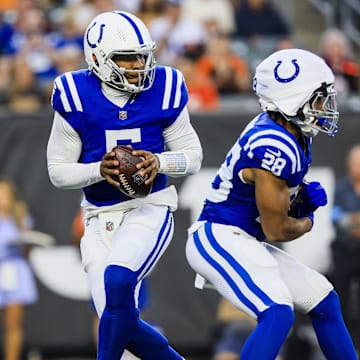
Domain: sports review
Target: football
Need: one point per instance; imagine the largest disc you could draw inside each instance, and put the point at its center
(131, 182)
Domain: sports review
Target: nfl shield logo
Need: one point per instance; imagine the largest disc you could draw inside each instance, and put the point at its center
(109, 226)
(122, 115)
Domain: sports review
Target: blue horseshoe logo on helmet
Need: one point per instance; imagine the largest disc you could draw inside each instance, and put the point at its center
(94, 45)
(292, 77)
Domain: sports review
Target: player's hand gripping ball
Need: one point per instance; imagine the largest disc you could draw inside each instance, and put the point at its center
(310, 196)
(131, 182)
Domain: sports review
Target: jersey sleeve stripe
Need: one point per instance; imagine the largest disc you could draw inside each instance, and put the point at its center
(168, 86)
(73, 91)
(179, 79)
(63, 95)
(291, 146)
(277, 144)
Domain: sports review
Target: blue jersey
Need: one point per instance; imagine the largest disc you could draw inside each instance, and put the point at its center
(101, 124)
(263, 144)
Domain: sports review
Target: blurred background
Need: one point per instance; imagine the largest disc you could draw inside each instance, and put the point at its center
(217, 44)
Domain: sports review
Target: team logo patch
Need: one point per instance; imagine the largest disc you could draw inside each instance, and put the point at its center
(122, 115)
(109, 225)
(290, 78)
(138, 179)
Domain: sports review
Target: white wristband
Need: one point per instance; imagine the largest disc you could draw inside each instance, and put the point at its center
(172, 163)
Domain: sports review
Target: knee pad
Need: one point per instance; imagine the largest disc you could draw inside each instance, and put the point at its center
(120, 285)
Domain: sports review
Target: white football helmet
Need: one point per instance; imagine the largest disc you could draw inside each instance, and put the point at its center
(119, 34)
(299, 85)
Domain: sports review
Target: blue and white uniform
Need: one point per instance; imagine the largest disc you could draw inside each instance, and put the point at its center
(90, 119)
(226, 245)
(263, 145)
(123, 98)
(102, 124)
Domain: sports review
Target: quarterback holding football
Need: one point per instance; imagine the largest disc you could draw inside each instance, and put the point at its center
(260, 193)
(123, 98)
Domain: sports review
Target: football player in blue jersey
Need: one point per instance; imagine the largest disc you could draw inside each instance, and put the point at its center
(260, 193)
(122, 98)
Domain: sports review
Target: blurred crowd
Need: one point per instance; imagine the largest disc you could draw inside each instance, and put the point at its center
(215, 43)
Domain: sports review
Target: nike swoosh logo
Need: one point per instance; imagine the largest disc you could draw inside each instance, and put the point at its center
(276, 153)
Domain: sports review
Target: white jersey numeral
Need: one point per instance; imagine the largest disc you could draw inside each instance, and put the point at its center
(273, 163)
(113, 136)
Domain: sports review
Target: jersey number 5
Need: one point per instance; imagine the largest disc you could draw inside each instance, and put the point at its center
(121, 137)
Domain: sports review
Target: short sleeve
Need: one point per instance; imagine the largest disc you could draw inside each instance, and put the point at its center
(273, 151)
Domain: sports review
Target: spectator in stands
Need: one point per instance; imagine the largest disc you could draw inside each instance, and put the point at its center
(132, 6)
(286, 43)
(17, 284)
(229, 71)
(176, 35)
(14, 22)
(259, 26)
(40, 56)
(24, 95)
(30, 42)
(68, 33)
(85, 10)
(216, 15)
(6, 31)
(203, 92)
(69, 58)
(26, 18)
(346, 245)
(150, 10)
(336, 51)
(5, 79)
(259, 19)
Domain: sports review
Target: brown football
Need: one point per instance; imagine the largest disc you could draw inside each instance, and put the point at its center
(131, 182)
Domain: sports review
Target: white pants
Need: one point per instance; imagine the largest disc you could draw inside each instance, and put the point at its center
(251, 274)
(135, 239)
